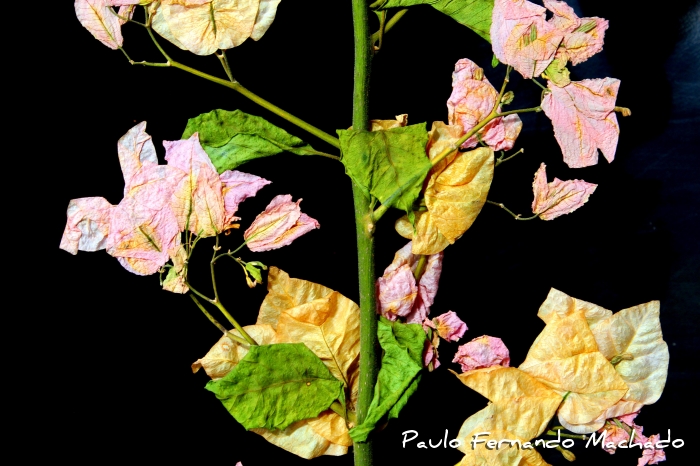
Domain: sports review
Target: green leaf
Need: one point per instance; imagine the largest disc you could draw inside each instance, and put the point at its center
(389, 164)
(254, 271)
(234, 138)
(276, 385)
(399, 375)
(474, 14)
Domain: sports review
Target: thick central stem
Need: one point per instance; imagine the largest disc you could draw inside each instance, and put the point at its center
(369, 347)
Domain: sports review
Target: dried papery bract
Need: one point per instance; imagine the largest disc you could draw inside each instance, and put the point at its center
(398, 292)
(558, 197)
(203, 27)
(281, 223)
(481, 352)
(101, 21)
(472, 100)
(584, 119)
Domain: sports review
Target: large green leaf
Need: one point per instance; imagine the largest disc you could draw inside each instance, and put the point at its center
(474, 14)
(399, 375)
(276, 385)
(389, 164)
(234, 138)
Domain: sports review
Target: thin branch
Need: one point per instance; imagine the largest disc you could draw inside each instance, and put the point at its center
(501, 160)
(211, 318)
(515, 216)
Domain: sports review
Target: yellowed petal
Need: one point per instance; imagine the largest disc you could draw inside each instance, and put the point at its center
(521, 404)
(204, 28)
(330, 327)
(301, 439)
(328, 323)
(427, 239)
(562, 304)
(284, 293)
(636, 332)
(381, 125)
(331, 427)
(618, 409)
(226, 353)
(504, 455)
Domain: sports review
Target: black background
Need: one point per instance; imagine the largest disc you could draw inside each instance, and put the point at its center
(115, 374)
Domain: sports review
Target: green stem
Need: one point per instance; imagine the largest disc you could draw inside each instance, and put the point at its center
(221, 55)
(211, 268)
(577, 437)
(236, 86)
(500, 159)
(515, 216)
(216, 322)
(420, 268)
(395, 19)
(364, 229)
(233, 322)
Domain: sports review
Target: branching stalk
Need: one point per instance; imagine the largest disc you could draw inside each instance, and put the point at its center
(364, 228)
(515, 216)
(216, 323)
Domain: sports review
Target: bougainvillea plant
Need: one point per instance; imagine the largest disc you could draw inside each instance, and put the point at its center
(317, 373)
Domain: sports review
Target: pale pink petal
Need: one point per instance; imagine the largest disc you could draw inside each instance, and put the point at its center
(87, 227)
(430, 355)
(613, 434)
(427, 288)
(522, 37)
(652, 455)
(144, 227)
(472, 99)
(266, 14)
(449, 326)
(396, 292)
(141, 243)
(557, 198)
(135, 148)
(564, 17)
(629, 418)
(583, 37)
(238, 186)
(281, 223)
(126, 12)
(484, 351)
(199, 205)
(100, 20)
(506, 15)
(584, 120)
(175, 280)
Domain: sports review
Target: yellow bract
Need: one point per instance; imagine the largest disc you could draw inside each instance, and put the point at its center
(454, 195)
(327, 323)
(636, 332)
(587, 364)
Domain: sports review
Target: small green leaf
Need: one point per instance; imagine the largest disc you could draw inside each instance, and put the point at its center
(276, 385)
(232, 138)
(399, 375)
(389, 164)
(474, 14)
(250, 267)
(494, 61)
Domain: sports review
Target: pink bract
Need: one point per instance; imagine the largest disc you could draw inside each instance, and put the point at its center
(449, 326)
(397, 290)
(583, 37)
(281, 223)
(584, 119)
(557, 198)
(481, 352)
(522, 37)
(472, 100)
